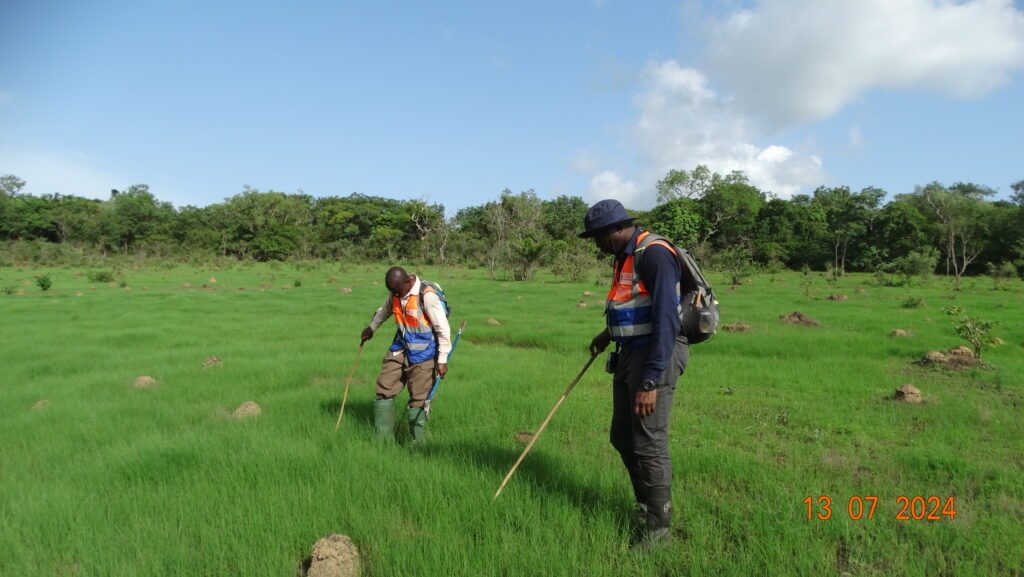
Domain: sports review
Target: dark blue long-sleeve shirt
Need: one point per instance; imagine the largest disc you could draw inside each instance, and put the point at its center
(659, 273)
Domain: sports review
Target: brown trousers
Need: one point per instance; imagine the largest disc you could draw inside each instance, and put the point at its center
(396, 373)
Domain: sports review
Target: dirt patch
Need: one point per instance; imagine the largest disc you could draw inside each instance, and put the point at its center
(246, 410)
(961, 351)
(493, 322)
(212, 280)
(736, 327)
(332, 280)
(956, 359)
(588, 293)
(40, 405)
(837, 298)
(264, 285)
(524, 437)
(345, 290)
(799, 318)
(187, 285)
(144, 382)
(582, 304)
(908, 394)
(212, 361)
(333, 556)
(899, 333)
(79, 293)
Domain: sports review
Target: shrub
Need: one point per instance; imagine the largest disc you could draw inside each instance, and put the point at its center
(8, 290)
(973, 330)
(737, 263)
(976, 332)
(902, 270)
(297, 283)
(913, 303)
(572, 259)
(43, 282)
(1000, 273)
(103, 276)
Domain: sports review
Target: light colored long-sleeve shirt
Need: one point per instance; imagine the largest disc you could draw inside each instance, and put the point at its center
(435, 314)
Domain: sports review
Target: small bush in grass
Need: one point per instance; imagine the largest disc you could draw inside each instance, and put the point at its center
(973, 330)
(8, 290)
(43, 282)
(913, 303)
(1001, 273)
(103, 276)
(737, 264)
(297, 283)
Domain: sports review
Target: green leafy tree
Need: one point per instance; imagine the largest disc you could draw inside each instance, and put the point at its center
(849, 216)
(134, 216)
(678, 220)
(961, 214)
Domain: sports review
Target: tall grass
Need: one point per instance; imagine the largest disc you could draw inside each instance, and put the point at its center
(112, 480)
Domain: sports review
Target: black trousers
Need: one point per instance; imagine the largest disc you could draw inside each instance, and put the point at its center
(642, 443)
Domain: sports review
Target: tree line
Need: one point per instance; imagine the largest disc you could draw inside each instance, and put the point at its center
(956, 229)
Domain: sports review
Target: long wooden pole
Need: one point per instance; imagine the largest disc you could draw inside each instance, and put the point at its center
(347, 383)
(543, 425)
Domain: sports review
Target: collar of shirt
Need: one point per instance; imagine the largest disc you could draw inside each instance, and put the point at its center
(630, 247)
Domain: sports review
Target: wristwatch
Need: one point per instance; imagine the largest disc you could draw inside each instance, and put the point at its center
(648, 385)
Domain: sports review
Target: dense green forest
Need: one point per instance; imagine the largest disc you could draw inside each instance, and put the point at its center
(727, 222)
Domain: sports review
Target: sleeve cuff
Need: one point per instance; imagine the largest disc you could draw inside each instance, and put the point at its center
(653, 376)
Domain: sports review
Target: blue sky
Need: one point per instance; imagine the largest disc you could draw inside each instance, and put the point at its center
(455, 101)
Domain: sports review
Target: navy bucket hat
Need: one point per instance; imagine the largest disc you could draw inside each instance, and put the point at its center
(604, 214)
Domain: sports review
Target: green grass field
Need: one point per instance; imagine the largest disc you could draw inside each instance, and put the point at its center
(110, 480)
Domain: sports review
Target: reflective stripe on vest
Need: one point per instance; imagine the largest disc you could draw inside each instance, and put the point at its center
(415, 335)
(629, 310)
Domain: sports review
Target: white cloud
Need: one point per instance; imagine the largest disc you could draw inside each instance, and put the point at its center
(793, 61)
(683, 123)
(610, 184)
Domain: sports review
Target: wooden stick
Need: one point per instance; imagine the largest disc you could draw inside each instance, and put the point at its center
(349, 381)
(543, 425)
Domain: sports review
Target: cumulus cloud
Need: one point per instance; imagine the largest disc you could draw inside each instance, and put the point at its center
(609, 184)
(792, 61)
(682, 122)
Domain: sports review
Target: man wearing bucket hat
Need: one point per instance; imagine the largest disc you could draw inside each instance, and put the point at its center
(642, 316)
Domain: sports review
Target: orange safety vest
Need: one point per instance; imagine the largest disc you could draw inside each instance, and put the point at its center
(415, 335)
(629, 310)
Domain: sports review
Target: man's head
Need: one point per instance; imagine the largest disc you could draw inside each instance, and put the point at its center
(608, 223)
(398, 281)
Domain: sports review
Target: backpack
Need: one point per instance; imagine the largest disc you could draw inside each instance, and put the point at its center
(440, 294)
(698, 314)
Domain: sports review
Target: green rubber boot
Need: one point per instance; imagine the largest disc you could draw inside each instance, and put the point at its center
(417, 424)
(384, 419)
